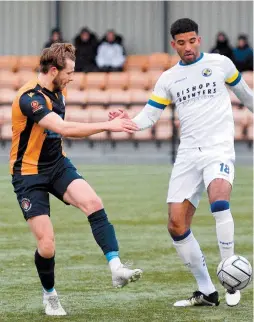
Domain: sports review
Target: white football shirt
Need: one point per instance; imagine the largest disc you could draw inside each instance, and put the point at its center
(201, 98)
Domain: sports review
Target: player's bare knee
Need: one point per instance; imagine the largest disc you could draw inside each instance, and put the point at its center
(219, 189)
(93, 204)
(46, 246)
(175, 228)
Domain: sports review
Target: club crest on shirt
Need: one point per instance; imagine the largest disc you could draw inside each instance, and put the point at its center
(36, 106)
(206, 72)
(26, 204)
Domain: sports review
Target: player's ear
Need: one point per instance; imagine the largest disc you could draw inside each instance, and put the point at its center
(199, 40)
(173, 44)
(54, 71)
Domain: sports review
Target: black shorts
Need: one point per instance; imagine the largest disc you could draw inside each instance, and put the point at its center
(33, 190)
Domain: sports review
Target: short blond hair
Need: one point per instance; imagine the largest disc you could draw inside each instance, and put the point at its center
(55, 56)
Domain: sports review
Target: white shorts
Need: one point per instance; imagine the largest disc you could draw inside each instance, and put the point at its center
(194, 170)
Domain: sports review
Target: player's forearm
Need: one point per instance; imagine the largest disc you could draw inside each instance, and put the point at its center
(80, 130)
(244, 93)
(147, 117)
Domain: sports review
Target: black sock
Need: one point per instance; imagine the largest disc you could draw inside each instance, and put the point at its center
(103, 231)
(45, 268)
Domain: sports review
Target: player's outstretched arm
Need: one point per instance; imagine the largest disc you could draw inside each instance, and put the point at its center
(55, 123)
(244, 93)
(237, 84)
(34, 106)
(145, 119)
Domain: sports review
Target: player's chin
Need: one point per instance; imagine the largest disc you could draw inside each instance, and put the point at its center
(189, 59)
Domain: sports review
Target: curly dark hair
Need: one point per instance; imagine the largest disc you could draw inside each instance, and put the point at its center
(55, 56)
(183, 25)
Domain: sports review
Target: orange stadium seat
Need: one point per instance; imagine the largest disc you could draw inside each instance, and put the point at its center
(8, 79)
(8, 63)
(75, 97)
(250, 133)
(116, 107)
(136, 62)
(25, 76)
(166, 115)
(98, 114)
(97, 97)
(163, 130)
(28, 63)
(78, 81)
(144, 135)
(118, 80)
(241, 121)
(7, 95)
(249, 116)
(248, 77)
(239, 133)
(153, 76)
(138, 80)
(139, 96)
(233, 98)
(120, 136)
(240, 116)
(102, 136)
(119, 96)
(6, 132)
(76, 114)
(134, 110)
(5, 113)
(158, 61)
(95, 80)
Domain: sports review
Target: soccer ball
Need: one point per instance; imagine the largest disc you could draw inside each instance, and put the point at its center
(234, 273)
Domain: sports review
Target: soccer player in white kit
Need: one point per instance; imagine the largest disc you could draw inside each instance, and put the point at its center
(205, 158)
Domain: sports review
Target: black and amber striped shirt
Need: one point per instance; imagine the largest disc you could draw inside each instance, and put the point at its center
(35, 149)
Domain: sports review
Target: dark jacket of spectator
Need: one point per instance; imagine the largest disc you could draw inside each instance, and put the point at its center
(86, 48)
(243, 54)
(56, 36)
(111, 54)
(222, 46)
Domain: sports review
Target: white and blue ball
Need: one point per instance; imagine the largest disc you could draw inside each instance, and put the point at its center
(234, 273)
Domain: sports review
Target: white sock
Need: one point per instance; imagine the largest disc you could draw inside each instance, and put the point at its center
(225, 232)
(189, 251)
(114, 263)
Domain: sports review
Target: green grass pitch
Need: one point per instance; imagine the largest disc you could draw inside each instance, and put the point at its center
(134, 198)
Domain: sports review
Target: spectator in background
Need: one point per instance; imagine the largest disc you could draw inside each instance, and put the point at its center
(56, 36)
(86, 48)
(222, 46)
(111, 54)
(243, 54)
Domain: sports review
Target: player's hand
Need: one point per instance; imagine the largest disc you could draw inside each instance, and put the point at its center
(118, 113)
(122, 125)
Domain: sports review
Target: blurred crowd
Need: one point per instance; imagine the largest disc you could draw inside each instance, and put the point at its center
(241, 54)
(93, 54)
(108, 54)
